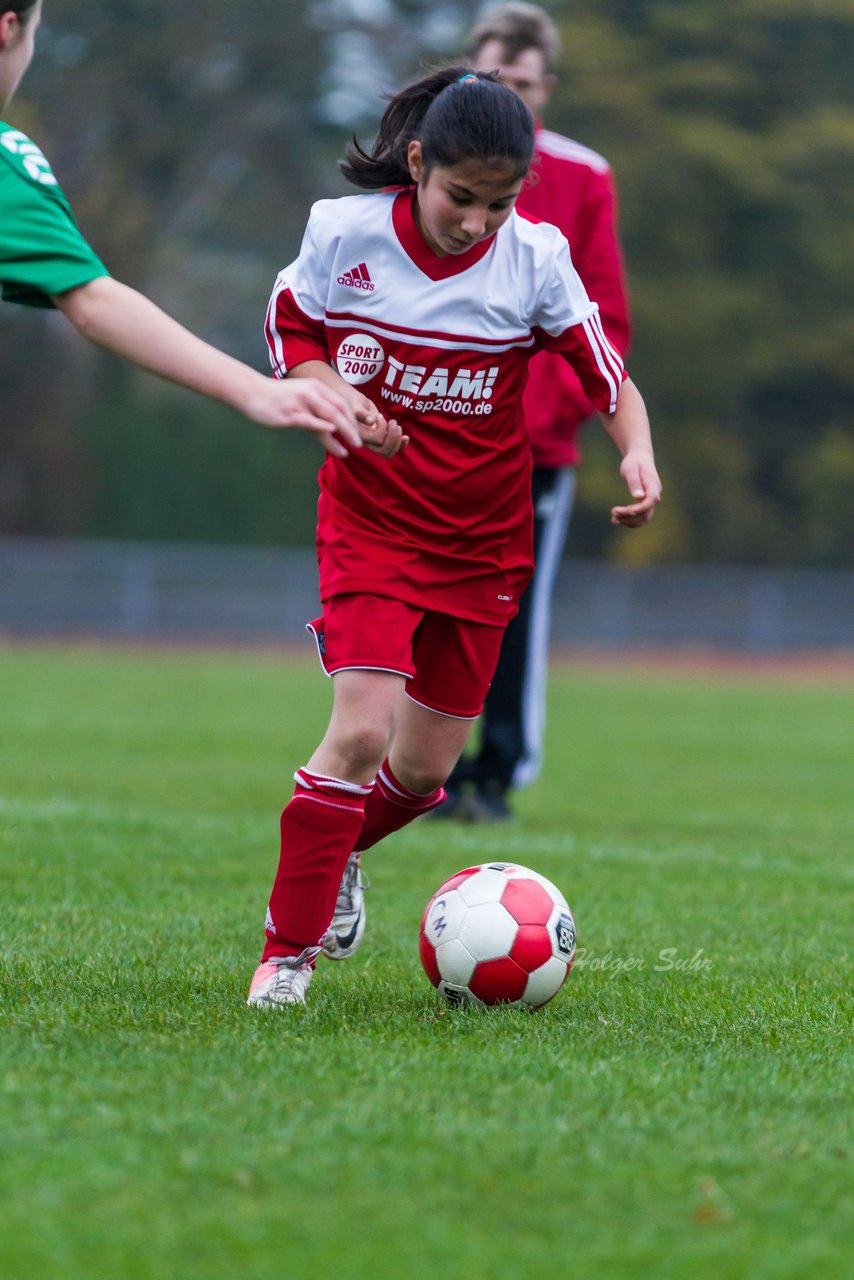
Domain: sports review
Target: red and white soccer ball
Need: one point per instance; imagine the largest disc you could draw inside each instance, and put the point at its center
(497, 934)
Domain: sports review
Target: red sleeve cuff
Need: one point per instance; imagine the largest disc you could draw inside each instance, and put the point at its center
(292, 336)
(597, 363)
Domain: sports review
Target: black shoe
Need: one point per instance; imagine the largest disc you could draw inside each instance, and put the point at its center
(453, 807)
(489, 804)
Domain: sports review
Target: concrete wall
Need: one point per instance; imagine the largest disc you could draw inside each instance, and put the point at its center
(162, 591)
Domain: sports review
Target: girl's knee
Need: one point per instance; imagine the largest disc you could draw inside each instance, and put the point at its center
(363, 749)
(422, 777)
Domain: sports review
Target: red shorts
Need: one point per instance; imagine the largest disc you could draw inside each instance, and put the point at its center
(448, 662)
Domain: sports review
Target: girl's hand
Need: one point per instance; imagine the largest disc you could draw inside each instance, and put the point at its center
(380, 435)
(638, 471)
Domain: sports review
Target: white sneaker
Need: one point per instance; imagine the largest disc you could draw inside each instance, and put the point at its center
(283, 979)
(348, 923)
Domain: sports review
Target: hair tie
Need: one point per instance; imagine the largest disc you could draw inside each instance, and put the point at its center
(469, 75)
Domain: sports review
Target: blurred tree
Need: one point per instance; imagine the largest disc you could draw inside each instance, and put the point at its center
(193, 184)
(191, 147)
(731, 128)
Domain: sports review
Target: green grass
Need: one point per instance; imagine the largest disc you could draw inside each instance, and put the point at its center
(652, 1122)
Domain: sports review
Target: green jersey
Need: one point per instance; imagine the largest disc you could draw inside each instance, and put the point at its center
(41, 250)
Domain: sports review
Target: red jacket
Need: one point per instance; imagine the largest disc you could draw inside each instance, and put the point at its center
(574, 190)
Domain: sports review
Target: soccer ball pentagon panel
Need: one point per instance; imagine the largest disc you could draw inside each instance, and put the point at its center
(497, 934)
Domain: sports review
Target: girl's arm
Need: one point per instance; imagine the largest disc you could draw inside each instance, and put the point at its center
(127, 323)
(568, 324)
(628, 427)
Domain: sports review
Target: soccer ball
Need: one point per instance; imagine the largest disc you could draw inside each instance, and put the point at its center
(497, 934)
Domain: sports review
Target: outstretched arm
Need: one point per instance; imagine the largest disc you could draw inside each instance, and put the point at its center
(129, 324)
(628, 427)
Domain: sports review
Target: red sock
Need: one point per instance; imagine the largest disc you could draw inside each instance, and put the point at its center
(391, 806)
(319, 828)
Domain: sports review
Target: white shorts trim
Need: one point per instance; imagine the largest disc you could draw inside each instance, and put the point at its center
(389, 671)
(450, 715)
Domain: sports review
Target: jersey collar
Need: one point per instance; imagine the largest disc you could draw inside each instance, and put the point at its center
(416, 247)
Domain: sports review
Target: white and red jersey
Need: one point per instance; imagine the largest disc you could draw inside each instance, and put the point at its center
(442, 344)
(572, 187)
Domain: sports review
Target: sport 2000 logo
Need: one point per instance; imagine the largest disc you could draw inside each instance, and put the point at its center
(359, 358)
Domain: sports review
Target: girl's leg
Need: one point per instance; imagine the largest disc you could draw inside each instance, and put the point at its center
(424, 749)
(426, 745)
(366, 707)
(454, 661)
(320, 825)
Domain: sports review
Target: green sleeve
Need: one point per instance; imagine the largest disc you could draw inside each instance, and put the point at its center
(41, 249)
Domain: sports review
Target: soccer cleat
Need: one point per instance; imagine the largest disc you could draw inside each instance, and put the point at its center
(348, 923)
(283, 979)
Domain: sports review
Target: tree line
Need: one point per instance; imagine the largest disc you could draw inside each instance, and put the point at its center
(192, 150)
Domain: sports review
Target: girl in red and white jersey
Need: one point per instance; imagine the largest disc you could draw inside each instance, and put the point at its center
(422, 304)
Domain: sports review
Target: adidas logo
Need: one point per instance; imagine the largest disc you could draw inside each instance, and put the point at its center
(358, 278)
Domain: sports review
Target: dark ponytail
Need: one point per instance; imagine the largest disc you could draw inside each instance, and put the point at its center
(20, 8)
(454, 119)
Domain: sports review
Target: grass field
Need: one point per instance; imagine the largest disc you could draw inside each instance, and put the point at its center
(683, 1108)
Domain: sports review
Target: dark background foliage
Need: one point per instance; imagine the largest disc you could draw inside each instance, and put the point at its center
(191, 140)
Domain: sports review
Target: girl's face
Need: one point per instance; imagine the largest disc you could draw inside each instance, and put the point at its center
(461, 204)
(17, 43)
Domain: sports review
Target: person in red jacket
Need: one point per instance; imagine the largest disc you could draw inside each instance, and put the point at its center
(575, 192)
